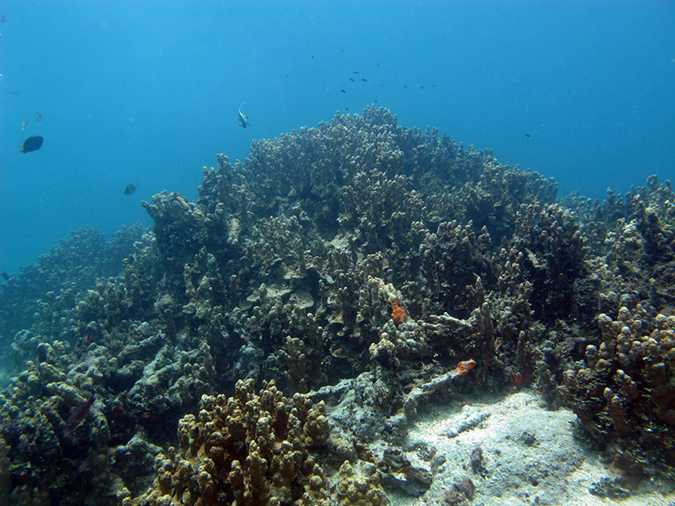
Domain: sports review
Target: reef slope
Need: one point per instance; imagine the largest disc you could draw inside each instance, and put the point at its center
(322, 292)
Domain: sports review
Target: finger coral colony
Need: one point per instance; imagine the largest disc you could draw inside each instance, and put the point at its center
(253, 345)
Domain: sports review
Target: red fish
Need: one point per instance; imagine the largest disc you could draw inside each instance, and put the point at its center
(78, 415)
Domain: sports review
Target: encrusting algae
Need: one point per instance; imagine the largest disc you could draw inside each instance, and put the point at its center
(398, 313)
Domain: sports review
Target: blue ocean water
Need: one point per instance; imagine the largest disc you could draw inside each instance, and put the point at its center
(147, 92)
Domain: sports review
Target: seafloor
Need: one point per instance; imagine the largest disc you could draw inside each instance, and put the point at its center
(359, 313)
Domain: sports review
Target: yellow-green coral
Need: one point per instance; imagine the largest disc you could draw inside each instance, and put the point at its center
(253, 448)
(360, 487)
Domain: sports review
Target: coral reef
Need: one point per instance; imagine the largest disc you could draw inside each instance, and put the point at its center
(39, 304)
(249, 449)
(356, 263)
(359, 488)
(622, 391)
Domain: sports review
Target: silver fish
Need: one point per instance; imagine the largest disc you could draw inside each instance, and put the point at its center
(243, 117)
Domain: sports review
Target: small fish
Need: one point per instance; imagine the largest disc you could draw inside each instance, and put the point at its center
(313, 56)
(32, 144)
(38, 117)
(527, 135)
(15, 91)
(343, 91)
(405, 86)
(24, 124)
(352, 79)
(5, 276)
(2, 17)
(130, 189)
(422, 86)
(356, 72)
(78, 415)
(243, 117)
(364, 79)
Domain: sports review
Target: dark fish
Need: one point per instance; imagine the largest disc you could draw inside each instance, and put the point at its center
(313, 56)
(364, 79)
(38, 117)
(78, 415)
(356, 72)
(352, 79)
(343, 91)
(243, 117)
(405, 86)
(32, 144)
(130, 189)
(5, 276)
(422, 86)
(527, 135)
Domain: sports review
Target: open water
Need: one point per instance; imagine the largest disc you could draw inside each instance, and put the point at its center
(147, 92)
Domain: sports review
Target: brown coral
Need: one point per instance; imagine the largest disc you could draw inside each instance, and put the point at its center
(625, 391)
(250, 449)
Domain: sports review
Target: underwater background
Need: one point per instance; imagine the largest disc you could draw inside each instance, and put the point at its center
(299, 253)
(147, 92)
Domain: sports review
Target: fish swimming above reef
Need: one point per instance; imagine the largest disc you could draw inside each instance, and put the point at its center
(130, 189)
(78, 415)
(5, 276)
(32, 144)
(243, 117)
